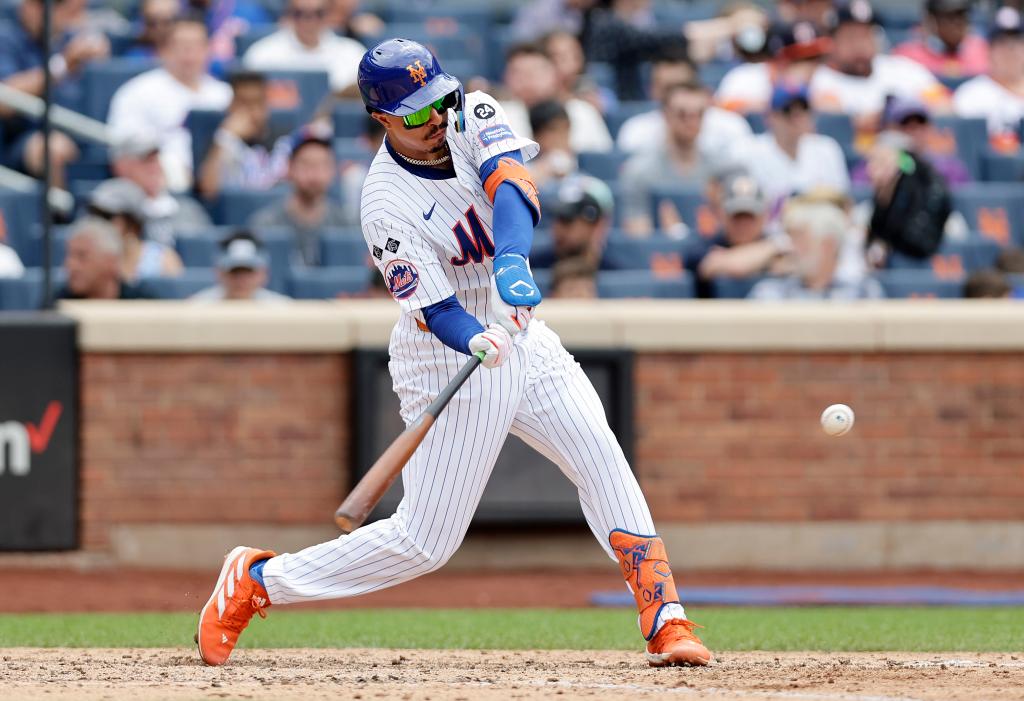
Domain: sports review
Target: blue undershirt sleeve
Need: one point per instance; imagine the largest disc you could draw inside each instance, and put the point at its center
(514, 217)
(452, 324)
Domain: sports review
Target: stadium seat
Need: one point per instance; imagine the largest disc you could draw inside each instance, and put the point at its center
(733, 287)
(300, 91)
(995, 210)
(664, 257)
(327, 283)
(449, 41)
(918, 284)
(32, 250)
(967, 137)
(624, 111)
(604, 166)
(1001, 167)
(690, 204)
(245, 41)
(757, 122)
(619, 284)
(349, 118)
(953, 259)
(102, 79)
(712, 72)
(26, 293)
(342, 250)
(234, 207)
(201, 248)
(19, 213)
(838, 126)
(353, 149)
(190, 281)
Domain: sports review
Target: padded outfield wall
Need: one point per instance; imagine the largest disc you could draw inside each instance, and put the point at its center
(202, 427)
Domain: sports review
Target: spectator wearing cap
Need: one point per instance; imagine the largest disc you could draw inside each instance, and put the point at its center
(796, 51)
(816, 232)
(677, 161)
(857, 77)
(93, 263)
(790, 157)
(998, 96)
(945, 44)
(245, 152)
(910, 199)
(581, 215)
(531, 78)
(307, 210)
(21, 68)
(305, 42)
(160, 99)
(136, 157)
(122, 203)
(550, 125)
(741, 249)
(912, 119)
(241, 273)
(720, 130)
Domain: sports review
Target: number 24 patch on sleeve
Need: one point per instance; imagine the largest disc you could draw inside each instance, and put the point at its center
(496, 133)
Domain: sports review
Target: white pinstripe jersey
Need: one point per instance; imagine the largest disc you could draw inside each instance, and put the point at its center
(430, 234)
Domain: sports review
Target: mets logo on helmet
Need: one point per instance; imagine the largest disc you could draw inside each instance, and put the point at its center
(417, 73)
(402, 278)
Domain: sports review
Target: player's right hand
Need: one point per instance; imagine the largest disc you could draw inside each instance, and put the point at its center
(495, 342)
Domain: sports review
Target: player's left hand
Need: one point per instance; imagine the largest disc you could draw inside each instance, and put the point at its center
(515, 292)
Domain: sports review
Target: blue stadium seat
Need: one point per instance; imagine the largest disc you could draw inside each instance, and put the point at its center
(102, 79)
(965, 136)
(995, 210)
(905, 284)
(604, 166)
(234, 207)
(624, 111)
(349, 117)
(342, 250)
(353, 149)
(83, 169)
(32, 251)
(712, 72)
(757, 122)
(299, 91)
(838, 126)
(190, 281)
(26, 293)
(245, 41)
(19, 214)
(449, 41)
(953, 258)
(662, 255)
(201, 248)
(1001, 167)
(603, 74)
(327, 283)
(691, 205)
(444, 17)
(733, 287)
(619, 284)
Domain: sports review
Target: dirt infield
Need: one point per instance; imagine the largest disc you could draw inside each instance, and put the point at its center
(438, 675)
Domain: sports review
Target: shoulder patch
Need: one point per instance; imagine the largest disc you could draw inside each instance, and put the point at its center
(495, 133)
(377, 252)
(484, 111)
(392, 245)
(402, 278)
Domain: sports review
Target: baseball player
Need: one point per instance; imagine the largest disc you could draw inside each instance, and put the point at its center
(448, 211)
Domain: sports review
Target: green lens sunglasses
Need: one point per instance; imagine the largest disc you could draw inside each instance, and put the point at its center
(422, 116)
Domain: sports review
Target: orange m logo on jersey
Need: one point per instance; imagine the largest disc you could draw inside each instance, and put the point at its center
(417, 73)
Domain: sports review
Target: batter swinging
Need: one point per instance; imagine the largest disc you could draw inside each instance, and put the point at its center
(448, 211)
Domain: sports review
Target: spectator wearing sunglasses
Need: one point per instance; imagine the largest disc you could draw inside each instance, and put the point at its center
(156, 18)
(306, 42)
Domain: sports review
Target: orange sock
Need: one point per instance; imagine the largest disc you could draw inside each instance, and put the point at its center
(645, 567)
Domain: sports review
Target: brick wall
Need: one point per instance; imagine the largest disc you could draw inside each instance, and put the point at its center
(211, 439)
(205, 438)
(730, 437)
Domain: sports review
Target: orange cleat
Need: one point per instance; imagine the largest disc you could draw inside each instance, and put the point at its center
(676, 645)
(233, 602)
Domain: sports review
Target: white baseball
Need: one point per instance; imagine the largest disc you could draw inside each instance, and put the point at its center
(837, 420)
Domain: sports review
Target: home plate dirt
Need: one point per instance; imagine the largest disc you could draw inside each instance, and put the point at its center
(447, 675)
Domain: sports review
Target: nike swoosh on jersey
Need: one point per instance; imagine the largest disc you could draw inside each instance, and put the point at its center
(428, 215)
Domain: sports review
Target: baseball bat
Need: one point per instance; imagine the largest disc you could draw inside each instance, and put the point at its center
(379, 478)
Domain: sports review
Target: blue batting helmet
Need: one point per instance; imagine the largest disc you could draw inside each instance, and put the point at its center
(399, 76)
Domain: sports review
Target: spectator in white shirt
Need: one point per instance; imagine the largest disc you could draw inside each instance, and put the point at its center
(791, 157)
(531, 78)
(796, 52)
(160, 99)
(999, 96)
(857, 78)
(720, 130)
(307, 43)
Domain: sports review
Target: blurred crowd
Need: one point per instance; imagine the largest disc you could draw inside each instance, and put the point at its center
(804, 149)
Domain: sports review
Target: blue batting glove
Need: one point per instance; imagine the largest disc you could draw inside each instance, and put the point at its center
(514, 281)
